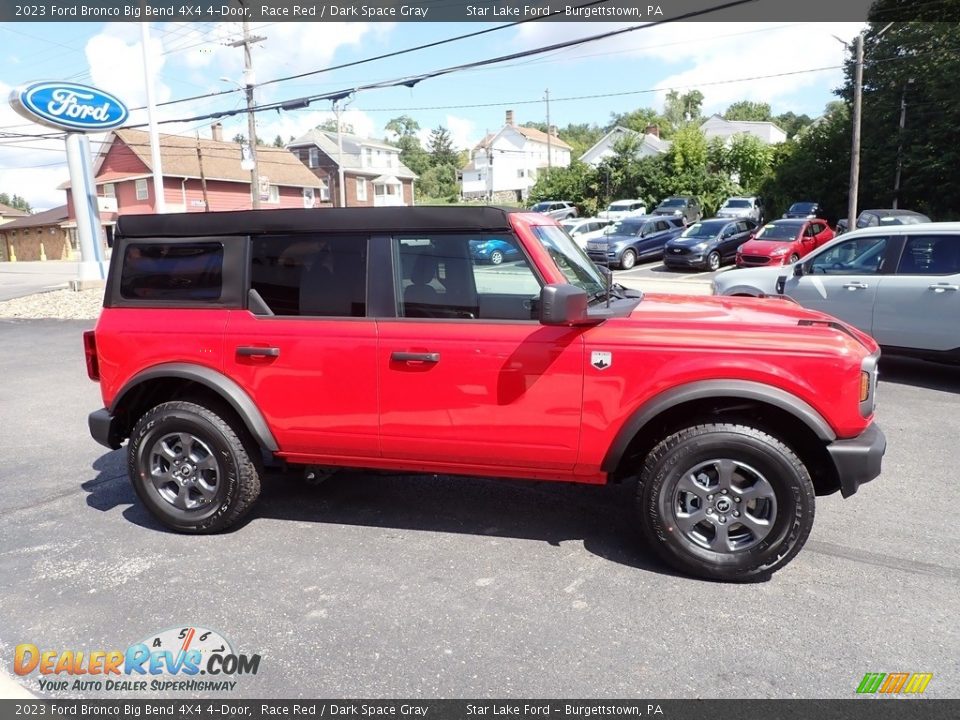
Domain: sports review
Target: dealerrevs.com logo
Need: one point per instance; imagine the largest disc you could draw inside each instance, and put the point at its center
(184, 659)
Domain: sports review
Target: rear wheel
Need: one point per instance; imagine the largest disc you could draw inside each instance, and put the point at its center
(725, 502)
(191, 468)
(496, 257)
(628, 259)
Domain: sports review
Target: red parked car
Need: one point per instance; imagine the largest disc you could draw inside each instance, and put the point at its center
(375, 338)
(783, 242)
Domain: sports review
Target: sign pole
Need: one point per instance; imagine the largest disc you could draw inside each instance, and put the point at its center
(83, 192)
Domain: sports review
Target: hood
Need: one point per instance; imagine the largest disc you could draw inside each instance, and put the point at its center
(772, 323)
(765, 247)
(687, 241)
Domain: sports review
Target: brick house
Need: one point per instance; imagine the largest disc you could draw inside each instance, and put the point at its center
(373, 175)
(42, 236)
(123, 177)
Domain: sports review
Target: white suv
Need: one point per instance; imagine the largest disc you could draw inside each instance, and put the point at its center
(742, 207)
(900, 283)
(623, 208)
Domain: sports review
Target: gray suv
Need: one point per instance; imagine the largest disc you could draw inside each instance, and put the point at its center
(557, 209)
(683, 206)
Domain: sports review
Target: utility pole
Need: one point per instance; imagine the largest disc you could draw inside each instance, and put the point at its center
(855, 143)
(903, 122)
(248, 82)
(341, 190)
(203, 178)
(549, 144)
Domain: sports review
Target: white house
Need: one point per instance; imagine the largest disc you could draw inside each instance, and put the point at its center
(649, 144)
(770, 133)
(504, 165)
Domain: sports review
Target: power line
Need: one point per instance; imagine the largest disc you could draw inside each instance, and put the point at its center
(412, 81)
(383, 56)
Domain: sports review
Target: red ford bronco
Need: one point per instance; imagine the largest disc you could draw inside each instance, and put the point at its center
(381, 338)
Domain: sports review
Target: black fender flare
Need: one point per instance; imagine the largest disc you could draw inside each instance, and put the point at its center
(219, 383)
(704, 389)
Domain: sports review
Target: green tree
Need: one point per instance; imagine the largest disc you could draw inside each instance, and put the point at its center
(278, 142)
(749, 110)
(412, 153)
(688, 150)
(16, 202)
(440, 147)
(749, 159)
(330, 125)
(439, 182)
(574, 183)
(681, 109)
(791, 123)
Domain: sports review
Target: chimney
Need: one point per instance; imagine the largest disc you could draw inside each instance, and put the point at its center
(216, 132)
(510, 117)
(652, 130)
(553, 130)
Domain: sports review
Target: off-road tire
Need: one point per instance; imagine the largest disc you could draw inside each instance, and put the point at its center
(674, 457)
(238, 483)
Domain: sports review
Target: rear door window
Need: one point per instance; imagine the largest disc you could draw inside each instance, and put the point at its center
(930, 255)
(181, 271)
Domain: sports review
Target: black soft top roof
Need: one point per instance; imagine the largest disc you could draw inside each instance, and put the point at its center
(368, 220)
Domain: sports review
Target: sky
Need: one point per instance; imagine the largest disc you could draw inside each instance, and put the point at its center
(633, 70)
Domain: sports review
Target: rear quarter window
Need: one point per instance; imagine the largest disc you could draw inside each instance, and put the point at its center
(188, 272)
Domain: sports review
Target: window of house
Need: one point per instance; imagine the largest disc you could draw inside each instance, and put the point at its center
(314, 157)
(311, 275)
(361, 189)
(520, 173)
(274, 196)
(308, 197)
(324, 189)
(466, 277)
(142, 192)
(109, 190)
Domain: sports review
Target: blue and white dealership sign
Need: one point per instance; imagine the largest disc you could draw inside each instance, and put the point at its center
(69, 106)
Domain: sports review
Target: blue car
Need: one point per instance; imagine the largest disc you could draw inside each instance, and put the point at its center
(641, 237)
(493, 251)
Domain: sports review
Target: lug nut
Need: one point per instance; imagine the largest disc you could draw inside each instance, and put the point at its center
(736, 514)
(737, 499)
(722, 519)
(723, 492)
(710, 498)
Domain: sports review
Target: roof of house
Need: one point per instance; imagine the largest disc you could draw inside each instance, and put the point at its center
(326, 140)
(54, 216)
(12, 211)
(654, 141)
(742, 123)
(485, 141)
(221, 160)
(540, 136)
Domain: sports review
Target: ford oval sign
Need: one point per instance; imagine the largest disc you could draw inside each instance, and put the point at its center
(69, 106)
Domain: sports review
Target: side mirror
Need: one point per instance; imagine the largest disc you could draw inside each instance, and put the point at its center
(563, 304)
(798, 270)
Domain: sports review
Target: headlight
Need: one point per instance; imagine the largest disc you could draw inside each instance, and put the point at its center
(779, 252)
(740, 249)
(699, 247)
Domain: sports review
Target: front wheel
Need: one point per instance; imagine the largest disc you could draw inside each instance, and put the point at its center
(725, 502)
(191, 468)
(713, 261)
(793, 259)
(496, 257)
(628, 259)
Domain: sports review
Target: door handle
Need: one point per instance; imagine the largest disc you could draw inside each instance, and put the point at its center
(855, 286)
(253, 351)
(426, 357)
(942, 287)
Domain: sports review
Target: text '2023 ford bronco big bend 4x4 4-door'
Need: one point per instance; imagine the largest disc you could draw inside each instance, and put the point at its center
(374, 338)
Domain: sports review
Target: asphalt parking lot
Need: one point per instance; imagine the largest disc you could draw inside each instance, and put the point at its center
(378, 585)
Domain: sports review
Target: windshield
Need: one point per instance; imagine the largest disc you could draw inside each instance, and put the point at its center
(619, 206)
(704, 230)
(570, 259)
(802, 208)
(672, 202)
(624, 227)
(779, 231)
(737, 203)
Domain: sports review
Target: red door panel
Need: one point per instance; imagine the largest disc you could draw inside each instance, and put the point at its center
(319, 392)
(489, 393)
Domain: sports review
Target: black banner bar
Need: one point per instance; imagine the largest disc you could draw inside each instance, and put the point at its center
(872, 708)
(631, 11)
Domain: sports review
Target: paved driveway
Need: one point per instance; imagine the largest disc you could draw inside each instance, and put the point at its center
(20, 279)
(384, 585)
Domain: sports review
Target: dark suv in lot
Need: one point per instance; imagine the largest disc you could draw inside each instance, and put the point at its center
(684, 206)
(641, 237)
(373, 338)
